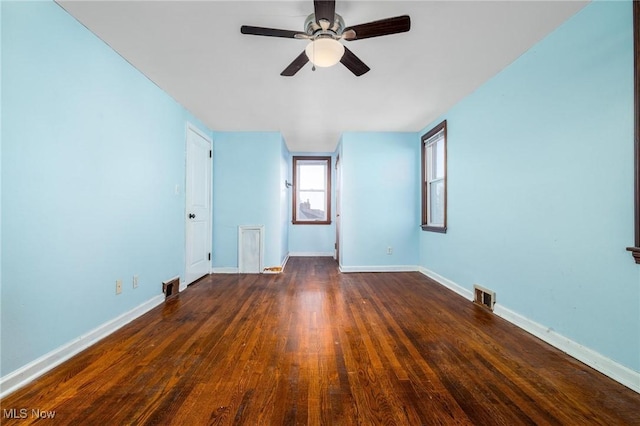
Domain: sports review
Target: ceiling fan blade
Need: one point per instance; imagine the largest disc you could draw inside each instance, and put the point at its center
(353, 63)
(296, 65)
(325, 10)
(399, 24)
(269, 32)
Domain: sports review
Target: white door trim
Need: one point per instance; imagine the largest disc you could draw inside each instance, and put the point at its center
(196, 130)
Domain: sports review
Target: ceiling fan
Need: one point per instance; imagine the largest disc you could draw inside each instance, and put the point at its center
(324, 29)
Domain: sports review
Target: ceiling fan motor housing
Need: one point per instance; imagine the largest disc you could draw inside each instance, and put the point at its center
(314, 30)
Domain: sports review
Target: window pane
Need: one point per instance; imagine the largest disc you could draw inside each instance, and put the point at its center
(436, 203)
(439, 159)
(436, 160)
(429, 163)
(311, 205)
(311, 176)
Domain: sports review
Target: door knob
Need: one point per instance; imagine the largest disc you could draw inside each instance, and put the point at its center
(192, 216)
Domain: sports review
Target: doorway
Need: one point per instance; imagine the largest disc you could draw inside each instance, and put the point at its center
(198, 205)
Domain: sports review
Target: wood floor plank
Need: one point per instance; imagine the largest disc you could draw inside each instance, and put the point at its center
(313, 346)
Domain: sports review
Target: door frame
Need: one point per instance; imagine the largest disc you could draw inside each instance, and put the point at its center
(195, 129)
(338, 192)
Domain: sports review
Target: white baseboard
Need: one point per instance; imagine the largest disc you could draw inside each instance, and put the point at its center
(593, 359)
(225, 270)
(27, 373)
(311, 254)
(379, 268)
(466, 293)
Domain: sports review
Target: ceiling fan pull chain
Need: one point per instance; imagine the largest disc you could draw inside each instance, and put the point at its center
(313, 65)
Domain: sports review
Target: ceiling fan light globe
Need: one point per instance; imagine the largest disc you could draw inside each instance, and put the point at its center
(324, 52)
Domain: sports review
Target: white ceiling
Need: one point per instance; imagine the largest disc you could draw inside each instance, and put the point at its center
(195, 52)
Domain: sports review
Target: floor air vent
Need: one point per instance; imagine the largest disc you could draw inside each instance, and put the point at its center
(484, 297)
(169, 288)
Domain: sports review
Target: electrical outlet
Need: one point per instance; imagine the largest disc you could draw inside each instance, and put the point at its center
(135, 281)
(118, 286)
(389, 250)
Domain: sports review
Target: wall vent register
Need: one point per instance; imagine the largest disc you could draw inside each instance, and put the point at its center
(483, 297)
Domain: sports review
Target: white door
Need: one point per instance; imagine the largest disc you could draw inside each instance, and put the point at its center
(198, 208)
(250, 249)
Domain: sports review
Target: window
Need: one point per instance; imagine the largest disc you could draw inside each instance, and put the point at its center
(434, 179)
(312, 190)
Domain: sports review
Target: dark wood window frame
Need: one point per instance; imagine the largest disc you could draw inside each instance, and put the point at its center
(635, 251)
(425, 186)
(295, 219)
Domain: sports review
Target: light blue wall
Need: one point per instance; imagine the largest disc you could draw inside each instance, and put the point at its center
(247, 190)
(91, 154)
(313, 239)
(540, 195)
(380, 199)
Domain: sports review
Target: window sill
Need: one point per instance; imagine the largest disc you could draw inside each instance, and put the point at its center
(635, 252)
(440, 229)
(311, 223)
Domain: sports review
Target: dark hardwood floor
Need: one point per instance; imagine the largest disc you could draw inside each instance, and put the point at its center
(312, 346)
